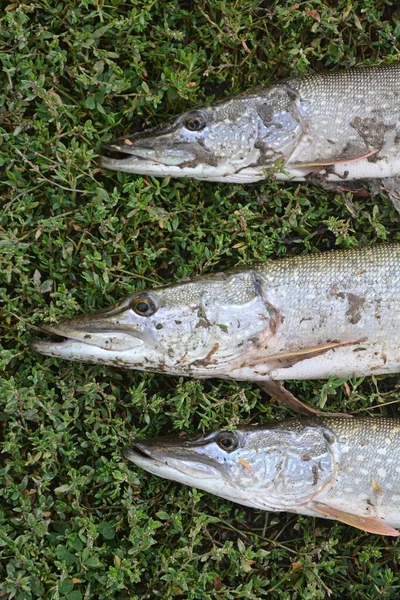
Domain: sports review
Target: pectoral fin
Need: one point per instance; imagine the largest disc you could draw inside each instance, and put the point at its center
(332, 161)
(278, 391)
(370, 524)
(289, 359)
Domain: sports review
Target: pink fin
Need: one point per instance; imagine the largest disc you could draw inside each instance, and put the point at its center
(370, 524)
(289, 359)
(278, 391)
(333, 161)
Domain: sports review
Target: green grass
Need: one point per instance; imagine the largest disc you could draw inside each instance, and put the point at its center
(76, 521)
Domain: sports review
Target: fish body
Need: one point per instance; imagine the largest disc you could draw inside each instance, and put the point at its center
(344, 469)
(305, 317)
(325, 128)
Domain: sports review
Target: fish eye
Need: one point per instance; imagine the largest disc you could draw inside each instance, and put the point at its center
(228, 441)
(143, 306)
(195, 121)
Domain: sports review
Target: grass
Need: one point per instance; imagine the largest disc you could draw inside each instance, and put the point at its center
(76, 521)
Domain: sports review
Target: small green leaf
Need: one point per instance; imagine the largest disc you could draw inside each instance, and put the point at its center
(90, 102)
(75, 595)
(106, 530)
(92, 562)
(65, 586)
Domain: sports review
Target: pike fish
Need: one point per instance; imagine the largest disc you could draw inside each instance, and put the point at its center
(305, 317)
(328, 128)
(344, 469)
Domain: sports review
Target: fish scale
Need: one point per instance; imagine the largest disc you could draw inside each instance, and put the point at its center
(332, 102)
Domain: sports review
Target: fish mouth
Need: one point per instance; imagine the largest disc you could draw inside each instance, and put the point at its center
(170, 462)
(171, 154)
(174, 458)
(51, 335)
(147, 450)
(145, 155)
(81, 338)
(138, 453)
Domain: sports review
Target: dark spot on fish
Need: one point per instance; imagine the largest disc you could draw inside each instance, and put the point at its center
(293, 95)
(178, 322)
(202, 157)
(305, 457)
(328, 436)
(273, 313)
(159, 326)
(377, 314)
(255, 340)
(315, 474)
(330, 141)
(305, 319)
(372, 132)
(267, 157)
(355, 305)
(87, 337)
(258, 285)
(337, 294)
(266, 113)
(202, 323)
(203, 362)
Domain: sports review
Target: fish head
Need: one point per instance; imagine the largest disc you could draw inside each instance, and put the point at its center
(273, 467)
(253, 131)
(203, 327)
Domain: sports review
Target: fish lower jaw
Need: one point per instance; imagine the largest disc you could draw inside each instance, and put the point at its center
(139, 166)
(74, 350)
(225, 172)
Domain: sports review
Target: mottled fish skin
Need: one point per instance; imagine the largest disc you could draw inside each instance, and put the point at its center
(324, 128)
(345, 469)
(305, 317)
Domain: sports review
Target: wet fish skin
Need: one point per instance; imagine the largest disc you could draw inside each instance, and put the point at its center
(254, 322)
(328, 127)
(344, 469)
(305, 317)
